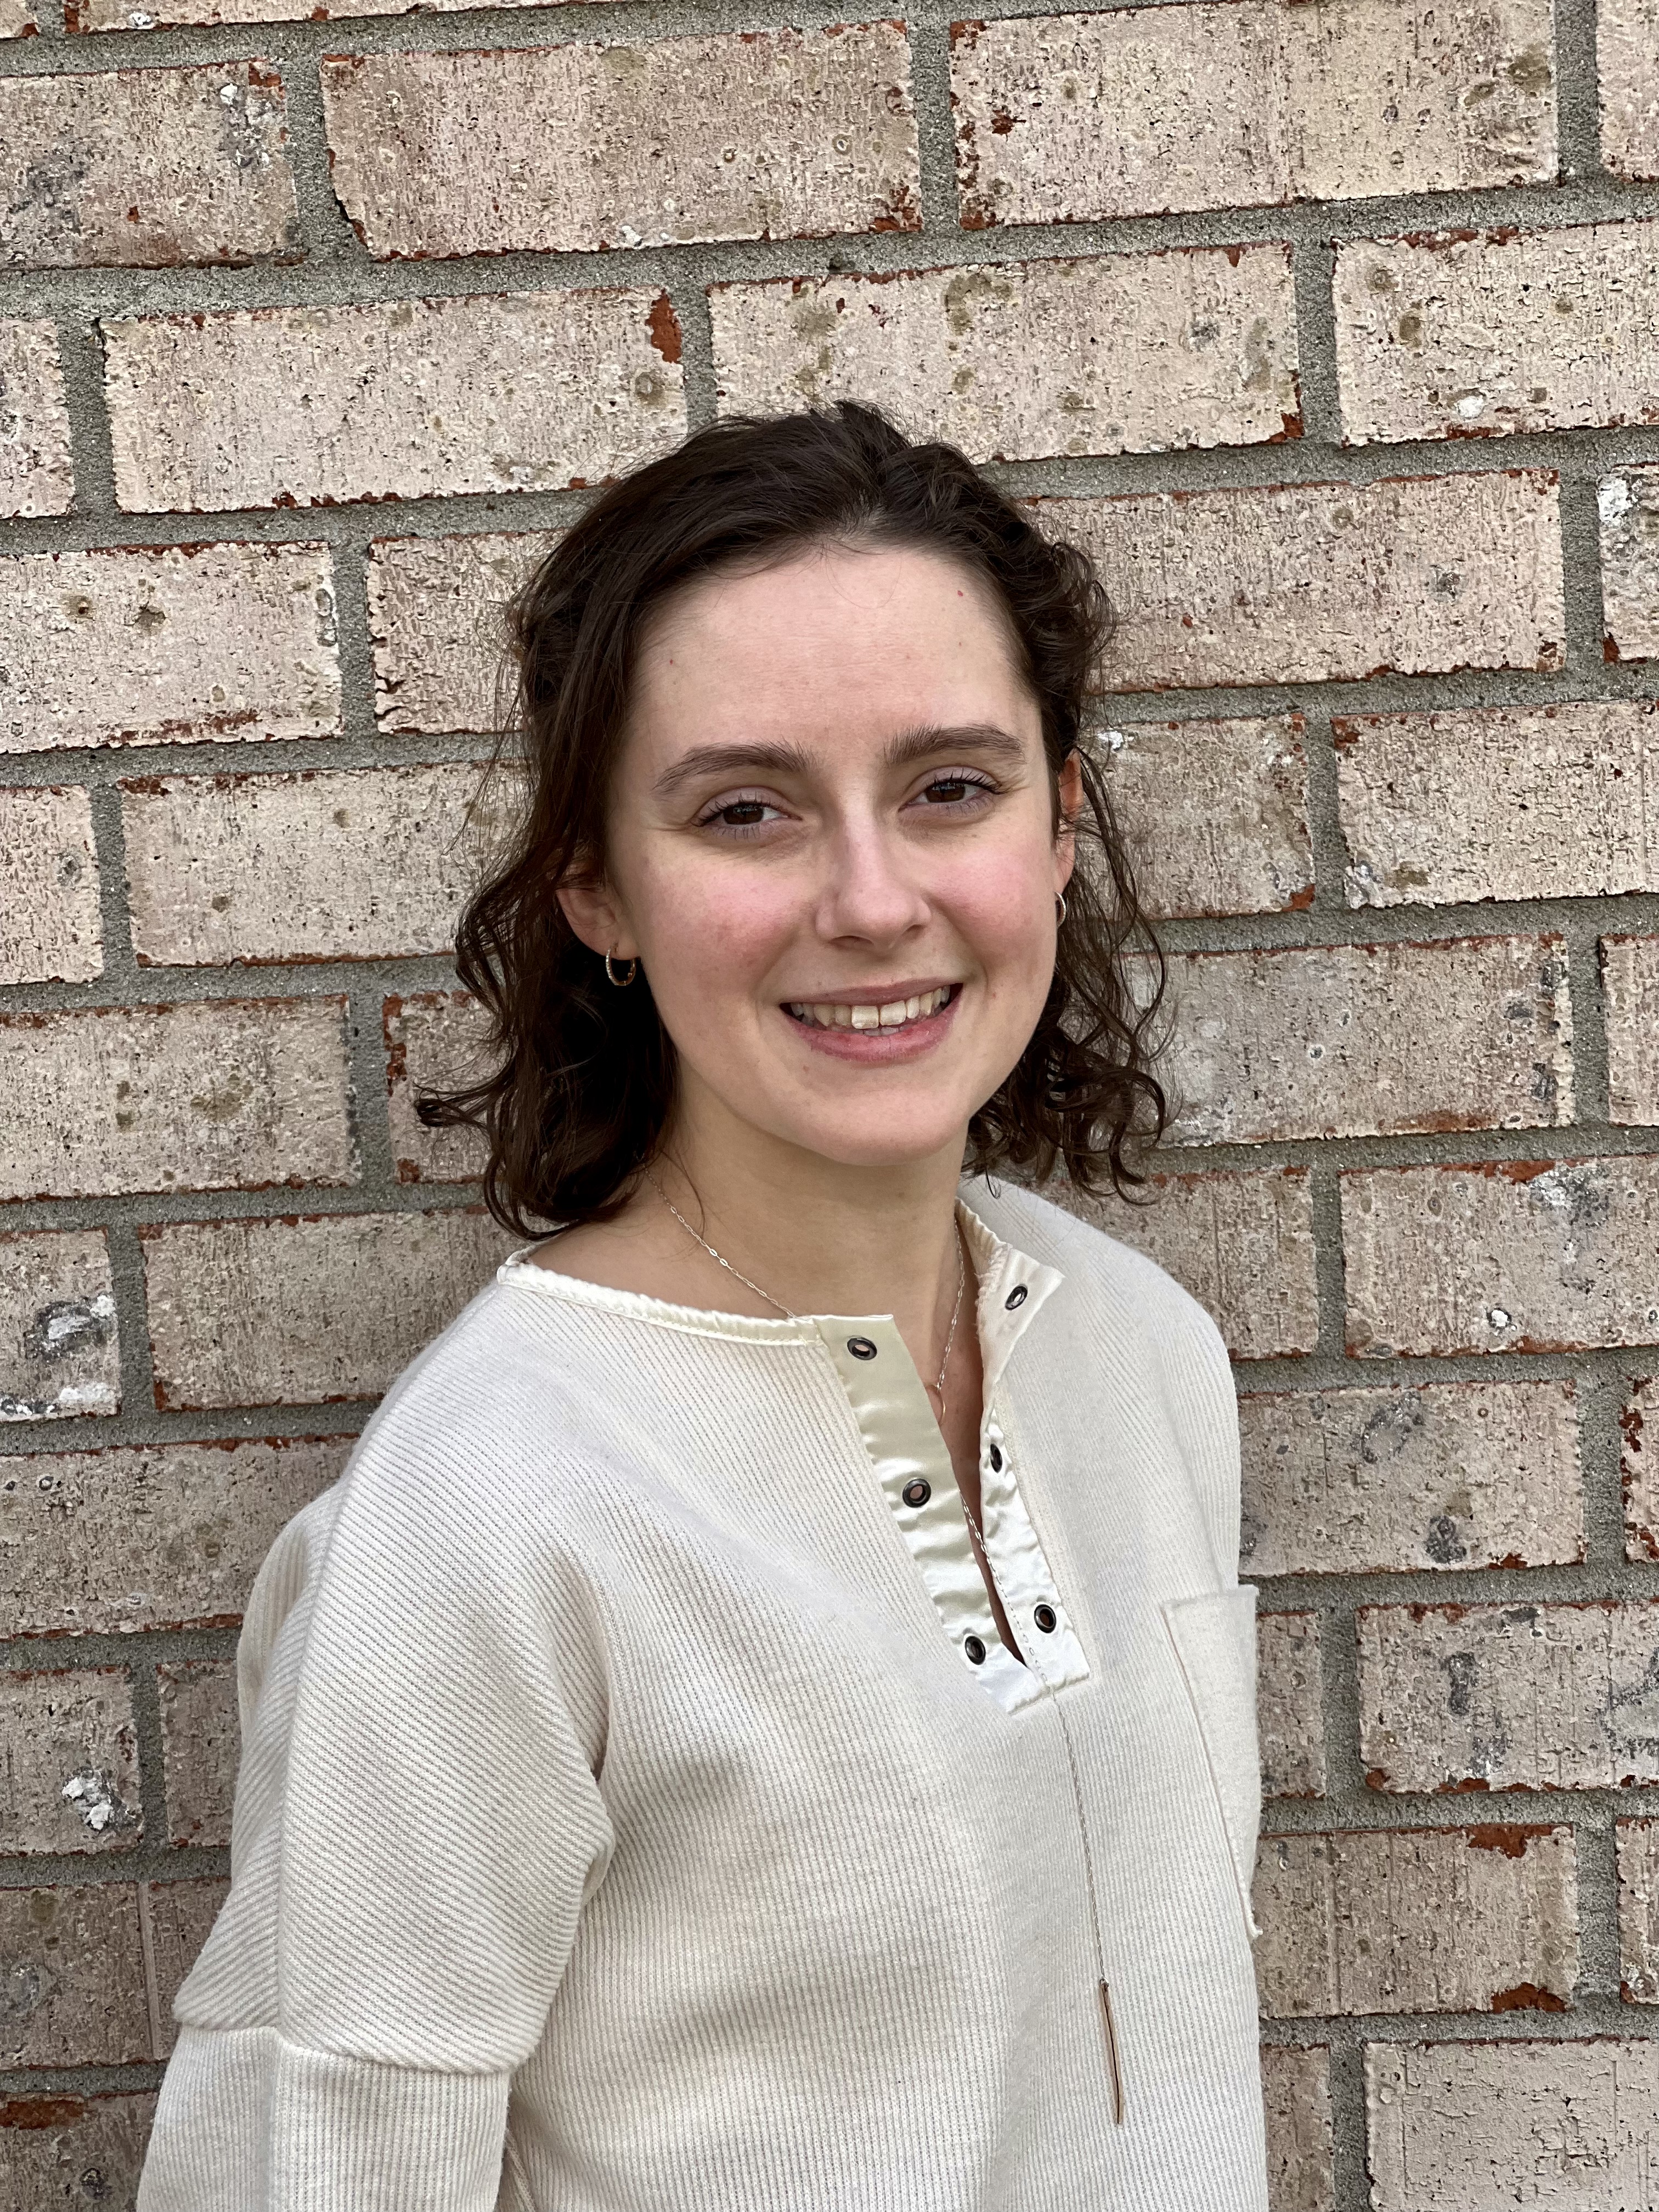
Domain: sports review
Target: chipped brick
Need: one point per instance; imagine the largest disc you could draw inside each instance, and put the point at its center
(59, 1353)
(436, 615)
(1628, 508)
(201, 1744)
(50, 2145)
(1214, 814)
(1287, 1705)
(1296, 2096)
(1627, 65)
(1630, 992)
(1639, 1421)
(181, 1915)
(37, 475)
(1638, 1844)
(72, 1965)
(433, 1040)
(49, 926)
(70, 1778)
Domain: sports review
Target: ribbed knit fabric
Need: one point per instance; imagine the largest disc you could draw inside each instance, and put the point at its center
(639, 1813)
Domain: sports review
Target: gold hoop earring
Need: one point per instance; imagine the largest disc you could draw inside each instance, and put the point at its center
(1060, 908)
(621, 982)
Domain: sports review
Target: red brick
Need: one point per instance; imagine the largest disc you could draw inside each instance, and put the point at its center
(394, 399)
(72, 1964)
(1629, 509)
(49, 918)
(142, 645)
(1447, 1475)
(59, 1353)
(1214, 814)
(1296, 2096)
(1639, 1419)
(147, 168)
(37, 475)
(180, 1915)
(1630, 991)
(53, 2149)
(1300, 583)
(571, 148)
(1126, 353)
(434, 1039)
(1248, 103)
(1512, 1255)
(1638, 1909)
(1505, 802)
(307, 1311)
(1416, 1920)
(1242, 1244)
(436, 614)
(1627, 64)
(201, 1742)
(207, 1096)
(1327, 1040)
(1287, 1705)
(69, 1777)
(148, 1536)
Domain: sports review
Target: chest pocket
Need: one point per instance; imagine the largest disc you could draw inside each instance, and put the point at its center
(1214, 1639)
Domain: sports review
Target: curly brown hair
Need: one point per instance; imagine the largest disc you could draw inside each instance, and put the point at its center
(581, 1079)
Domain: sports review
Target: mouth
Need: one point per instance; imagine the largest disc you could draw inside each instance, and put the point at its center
(865, 1017)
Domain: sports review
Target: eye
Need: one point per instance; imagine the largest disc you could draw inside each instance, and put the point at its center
(956, 787)
(745, 812)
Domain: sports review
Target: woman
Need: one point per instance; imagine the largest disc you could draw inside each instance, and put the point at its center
(766, 1720)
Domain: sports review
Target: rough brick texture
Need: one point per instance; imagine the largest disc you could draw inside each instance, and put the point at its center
(1215, 814)
(404, 399)
(37, 475)
(1329, 1044)
(1627, 65)
(69, 1780)
(571, 148)
(1630, 991)
(75, 1958)
(1638, 1419)
(60, 1354)
(181, 1914)
(48, 2146)
(1129, 353)
(436, 614)
(1638, 1844)
(1416, 1920)
(434, 1039)
(1287, 1705)
(17, 19)
(201, 1744)
(49, 924)
(1297, 2098)
(1629, 509)
(121, 15)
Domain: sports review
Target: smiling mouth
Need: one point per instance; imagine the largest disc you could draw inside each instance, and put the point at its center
(895, 1014)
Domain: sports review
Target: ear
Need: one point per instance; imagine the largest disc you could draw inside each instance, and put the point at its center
(591, 909)
(1071, 805)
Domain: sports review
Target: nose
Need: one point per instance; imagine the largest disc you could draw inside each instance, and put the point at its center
(870, 894)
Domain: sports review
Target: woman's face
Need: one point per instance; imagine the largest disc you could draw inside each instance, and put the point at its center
(832, 848)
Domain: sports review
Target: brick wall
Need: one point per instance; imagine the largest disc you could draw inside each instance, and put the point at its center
(1334, 332)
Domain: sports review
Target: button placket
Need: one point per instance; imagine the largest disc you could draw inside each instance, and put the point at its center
(1023, 1579)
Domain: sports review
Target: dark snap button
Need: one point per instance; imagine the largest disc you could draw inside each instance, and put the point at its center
(974, 1649)
(1017, 1296)
(1046, 1618)
(996, 1457)
(860, 1347)
(917, 1493)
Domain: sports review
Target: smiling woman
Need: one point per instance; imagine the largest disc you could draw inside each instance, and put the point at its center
(766, 1719)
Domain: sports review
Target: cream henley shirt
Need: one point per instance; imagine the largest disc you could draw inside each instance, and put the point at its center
(639, 1812)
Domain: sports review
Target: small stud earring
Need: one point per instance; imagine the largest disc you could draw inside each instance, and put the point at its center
(1059, 906)
(622, 982)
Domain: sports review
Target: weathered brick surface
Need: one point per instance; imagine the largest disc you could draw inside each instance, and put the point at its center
(1630, 992)
(1328, 1041)
(570, 148)
(1296, 2097)
(60, 1354)
(146, 169)
(1452, 334)
(201, 1745)
(1287, 1705)
(433, 1040)
(50, 2146)
(1300, 582)
(122, 15)
(1215, 814)
(72, 1964)
(37, 475)
(1127, 352)
(436, 615)
(146, 644)
(264, 1312)
(150, 1536)
(1416, 1920)
(1629, 509)
(1512, 1255)
(1627, 65)
(301, 867)
(181, 1914)
(69, 1777)
(1485, 2127)
(49, 916)
(1446, 1475)
(1245, 104)
(17, 19)
(402, 399)
(1638, 1844)
(1242, 1244)
(1510, 1697)
(1638, 1419)
(1507, 802)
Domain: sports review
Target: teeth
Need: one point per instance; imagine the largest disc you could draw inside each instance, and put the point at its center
(831, 1014)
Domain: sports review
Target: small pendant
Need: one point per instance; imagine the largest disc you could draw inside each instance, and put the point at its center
(1111, 2055)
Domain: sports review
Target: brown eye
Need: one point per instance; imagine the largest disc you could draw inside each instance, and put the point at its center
(742, 814)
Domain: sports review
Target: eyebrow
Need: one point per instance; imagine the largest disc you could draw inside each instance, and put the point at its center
(902, 750)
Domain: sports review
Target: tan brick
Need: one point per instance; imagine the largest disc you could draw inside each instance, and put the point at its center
(1416, 1920)
(201, 1742)
(123, 16)
(146, 169)
(72, 1965)
(49, 918)
(1214, 814)
(1242, 1244)
(209, 1096)
(1247, 104)
(436, 614)
(434, 1039)
(152, 1536)
(1638, 1910)
(308, 1311)
(1287, 1705)
(1627, 62)
(1455, 334)
(1327, 1040)
(571, 148)
(48, 2146)
(181, 1915)
(1295, 2094)
(1640, 1468)
(37, 475)
(1298, 583)
(143, 645)
(1630, 993)
(1506, 1255)
(68, 1772)
(1126, 353)
(59, 1353)
(1449, 1474)
(1506, 802)
(367, 864)
(17, 19)
(1485, 2127)
(397, 399)
(1629, 509)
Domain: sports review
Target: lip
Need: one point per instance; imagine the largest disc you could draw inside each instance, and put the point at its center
(880, 1048)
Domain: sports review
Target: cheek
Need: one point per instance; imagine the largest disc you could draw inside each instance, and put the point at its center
(719, 932)
(1001, 904)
